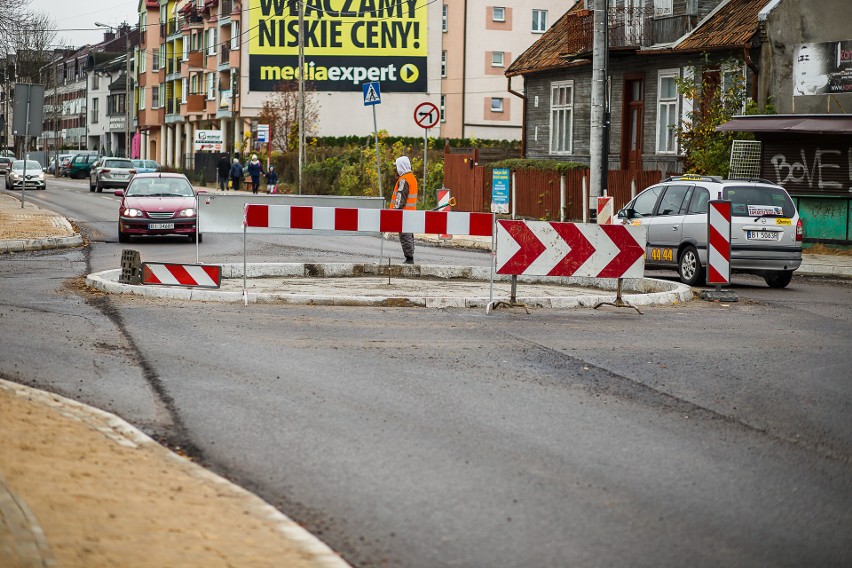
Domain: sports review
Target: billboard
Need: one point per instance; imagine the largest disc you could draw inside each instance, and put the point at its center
(208, 141)
(822, 68)
(346, 43)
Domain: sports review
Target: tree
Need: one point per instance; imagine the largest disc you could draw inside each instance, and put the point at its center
(281, 111)
(717, 97)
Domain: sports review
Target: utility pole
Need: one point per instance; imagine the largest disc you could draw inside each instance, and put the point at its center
(127, 92)
(598, 166)
(301, 101)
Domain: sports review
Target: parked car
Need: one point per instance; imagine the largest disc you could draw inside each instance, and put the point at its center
(157, 204)
(16, 178)
(5, 164)
(146, 166)
(81, 165)
(110, 172)
(53, 167)
(766, 232)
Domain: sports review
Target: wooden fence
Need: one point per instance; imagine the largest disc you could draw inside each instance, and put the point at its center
(538, 194)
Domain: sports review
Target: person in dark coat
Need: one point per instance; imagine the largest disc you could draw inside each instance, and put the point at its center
(223, 171)
(271, 180)
(236, 174)
(254, 170)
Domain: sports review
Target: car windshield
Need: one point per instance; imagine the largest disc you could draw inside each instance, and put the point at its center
(751, 201)
(118, 164)
(160, 187)
(31, 165)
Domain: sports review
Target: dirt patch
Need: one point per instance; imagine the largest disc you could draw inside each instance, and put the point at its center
(820, 248)
(105, 499)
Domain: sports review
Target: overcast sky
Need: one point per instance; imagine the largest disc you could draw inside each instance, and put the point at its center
(74, 20)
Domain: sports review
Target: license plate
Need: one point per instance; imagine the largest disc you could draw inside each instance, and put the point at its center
(762, 235)
(120, 176)
(153, 226)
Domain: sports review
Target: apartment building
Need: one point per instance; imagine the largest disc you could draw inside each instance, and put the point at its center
(188, 68)
(480, 39)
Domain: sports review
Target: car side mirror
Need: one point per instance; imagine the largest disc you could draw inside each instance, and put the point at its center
(627, 213)
(119, 193)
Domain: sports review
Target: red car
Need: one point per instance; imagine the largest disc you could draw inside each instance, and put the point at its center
(157, 204)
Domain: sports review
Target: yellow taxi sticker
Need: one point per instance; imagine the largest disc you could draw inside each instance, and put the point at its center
(690, 177)
(783, 221)
(636, 223)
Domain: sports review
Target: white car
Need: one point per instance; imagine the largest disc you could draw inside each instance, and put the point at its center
(16, 177)
(766, 232)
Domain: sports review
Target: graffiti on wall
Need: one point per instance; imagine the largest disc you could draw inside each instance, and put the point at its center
(817, 168)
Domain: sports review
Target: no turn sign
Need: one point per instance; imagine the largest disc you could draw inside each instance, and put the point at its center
(426, 115)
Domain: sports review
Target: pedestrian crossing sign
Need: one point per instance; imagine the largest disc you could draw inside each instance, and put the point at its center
(372, 93)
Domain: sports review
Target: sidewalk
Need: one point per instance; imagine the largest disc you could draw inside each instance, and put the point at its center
(132, 502)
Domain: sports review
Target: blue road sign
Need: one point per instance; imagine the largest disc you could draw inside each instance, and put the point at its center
(372, 93)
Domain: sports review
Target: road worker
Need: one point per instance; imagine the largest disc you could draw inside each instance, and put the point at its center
(405, 197)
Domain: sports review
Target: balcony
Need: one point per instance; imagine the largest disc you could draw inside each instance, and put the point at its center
(629, 27)
(224, 54)
(195, 104)
(195, 60)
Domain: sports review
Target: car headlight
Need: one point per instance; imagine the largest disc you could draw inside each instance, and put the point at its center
(132, 213)
(187, 213)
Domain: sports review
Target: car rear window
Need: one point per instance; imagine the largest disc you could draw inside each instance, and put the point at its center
(755, 201)
(118, 164)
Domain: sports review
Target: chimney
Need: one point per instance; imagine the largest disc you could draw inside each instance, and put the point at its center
(109, 36)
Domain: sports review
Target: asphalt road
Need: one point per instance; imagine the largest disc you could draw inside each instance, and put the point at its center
(702, 434)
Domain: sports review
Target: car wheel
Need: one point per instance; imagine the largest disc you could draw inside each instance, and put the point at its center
(192, 237)
(91, 185)
(778, 278)
(123, 237)
(689, 267)
(99, 186)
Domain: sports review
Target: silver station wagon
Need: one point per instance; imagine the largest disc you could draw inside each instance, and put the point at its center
(766, 232)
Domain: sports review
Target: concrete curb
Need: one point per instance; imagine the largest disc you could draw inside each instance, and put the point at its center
(46, 243)
(121, 432)
(644, 292)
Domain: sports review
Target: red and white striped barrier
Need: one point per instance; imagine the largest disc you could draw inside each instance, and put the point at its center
(367, 220)
(444, 205)
(719, 242)
(196, 275)
(605, 210)
(570, 249)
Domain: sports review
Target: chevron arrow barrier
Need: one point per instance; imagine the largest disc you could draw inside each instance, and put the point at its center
(544, 248)
(719, 242)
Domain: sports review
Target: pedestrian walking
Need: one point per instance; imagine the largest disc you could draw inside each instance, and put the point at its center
(271, 180)
(236, 174)
(223, 170)
(404, 196)
(254, 170)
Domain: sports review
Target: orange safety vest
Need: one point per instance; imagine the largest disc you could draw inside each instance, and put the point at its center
(411, 202)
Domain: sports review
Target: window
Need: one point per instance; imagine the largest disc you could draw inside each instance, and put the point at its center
(94, 112)
(672, 200)
(561, 117)
(211, 86)
(644, 204)
(498, 14)
(443, 108)
(444, 63)
(667, 111)
(235, 35)
(185, 45)
(497, 59)
(662, 7)
(155, 60)
(496, 104)
(96, 80)
(733, 84)
(193, 84)
(155, 96)
(700, 202)
(184, 89)
(539, 21)
(143, 61)
(211, 41)
(444, 12)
